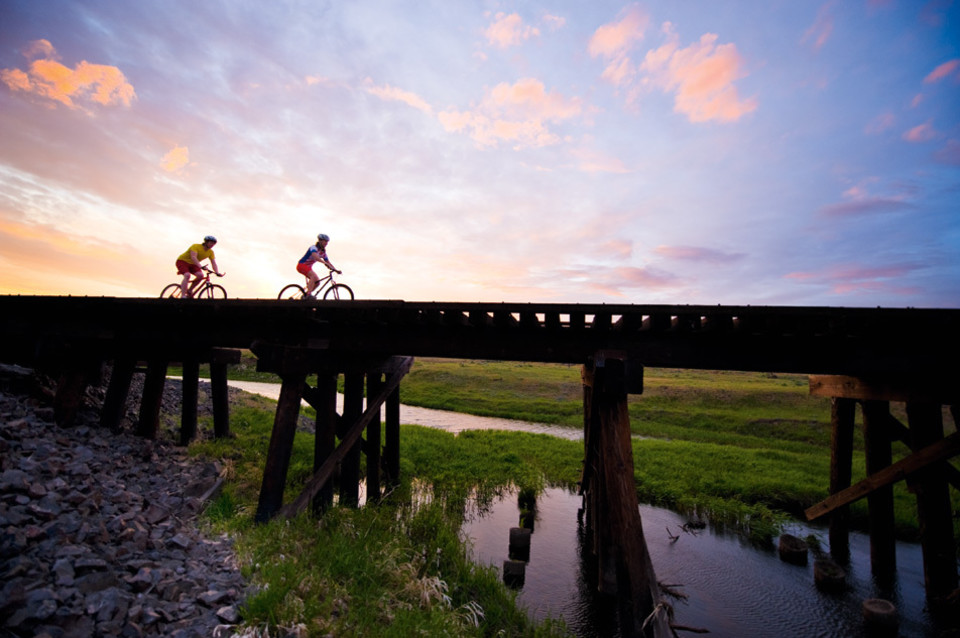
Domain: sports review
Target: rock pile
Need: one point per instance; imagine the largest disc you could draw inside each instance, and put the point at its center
(99, 533)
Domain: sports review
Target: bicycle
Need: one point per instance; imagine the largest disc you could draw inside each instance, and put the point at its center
(206, 290)
(330, 289)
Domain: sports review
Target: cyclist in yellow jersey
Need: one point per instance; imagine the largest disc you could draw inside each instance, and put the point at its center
(189, 263)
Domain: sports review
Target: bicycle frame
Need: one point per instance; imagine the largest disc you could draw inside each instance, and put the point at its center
(327, 288)
(204, 290)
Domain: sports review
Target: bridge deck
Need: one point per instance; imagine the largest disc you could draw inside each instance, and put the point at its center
(812, 340)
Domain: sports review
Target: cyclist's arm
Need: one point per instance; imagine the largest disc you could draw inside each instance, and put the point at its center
(193, 258)
(213, 262)
(326, 262)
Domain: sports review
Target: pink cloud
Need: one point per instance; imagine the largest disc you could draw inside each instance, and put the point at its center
(921, 133)
(880, 124)
(949, 154)
(175, 159)
(819, 32)
(517, 113)
(393, 94)
(509, 30)
(942, 71)
(615, 39)
(702, 76)
(696, 253)
(49, 79)
(864, 206)
(849, 279)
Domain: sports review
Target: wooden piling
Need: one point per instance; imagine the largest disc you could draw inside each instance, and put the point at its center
(842, 413)
(350, 465)
(324, 435)
(189, 393)
(624, 547)
(374, 386)
(219, 395)
(149, 423)
(933, 505)
(876, 437)
(281, 446)
(118, 390)
(391, 449)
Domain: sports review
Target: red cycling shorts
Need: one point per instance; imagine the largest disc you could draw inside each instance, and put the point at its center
(184, 267)
(304, 269)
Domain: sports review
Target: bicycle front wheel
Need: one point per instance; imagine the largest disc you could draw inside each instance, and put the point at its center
(172, 292)
(214, 291)
(292, 291)
(338, 291)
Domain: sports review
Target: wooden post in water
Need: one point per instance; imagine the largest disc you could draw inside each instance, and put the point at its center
(876, 438)
(350, 466)
(842, 413)
(933, 505)
(624, 558)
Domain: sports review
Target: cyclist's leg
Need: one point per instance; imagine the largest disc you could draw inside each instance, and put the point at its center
(312, 282)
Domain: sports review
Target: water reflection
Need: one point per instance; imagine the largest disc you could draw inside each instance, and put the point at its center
(732, 588)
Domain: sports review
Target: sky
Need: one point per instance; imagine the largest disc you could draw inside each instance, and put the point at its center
(783, 152)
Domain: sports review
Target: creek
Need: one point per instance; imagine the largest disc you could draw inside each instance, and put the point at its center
(733, 588)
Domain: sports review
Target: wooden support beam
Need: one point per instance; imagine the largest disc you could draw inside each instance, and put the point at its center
(118, 390)
(624, 546)
(943, 449)
(933, 506)
(943, 389)
(324, 441)
(879, 456)
(842, 413)
(190, 392)
(280, 448)
(374, 383)
(350, 462)
(149, 423)
(391, 449)
(219, 396)
(350, 438)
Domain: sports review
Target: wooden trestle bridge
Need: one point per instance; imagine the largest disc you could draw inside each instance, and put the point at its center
(865, 356)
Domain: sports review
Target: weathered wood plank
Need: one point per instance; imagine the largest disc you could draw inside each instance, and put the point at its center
(943, 389)
(944, 449)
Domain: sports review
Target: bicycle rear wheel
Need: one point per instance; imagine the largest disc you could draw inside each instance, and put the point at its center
(172, 292)
(292, 291)
(338, 291)
(214, 291)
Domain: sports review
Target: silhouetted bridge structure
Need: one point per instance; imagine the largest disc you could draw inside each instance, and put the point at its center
(865, 356)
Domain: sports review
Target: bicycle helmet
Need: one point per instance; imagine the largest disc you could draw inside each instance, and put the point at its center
(322, 237)
(210, 238)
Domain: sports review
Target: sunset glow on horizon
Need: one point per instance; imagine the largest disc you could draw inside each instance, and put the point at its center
(652, 152)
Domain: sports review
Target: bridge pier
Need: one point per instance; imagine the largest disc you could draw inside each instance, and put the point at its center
(925, 468)
(293, 363)
(610, 495)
